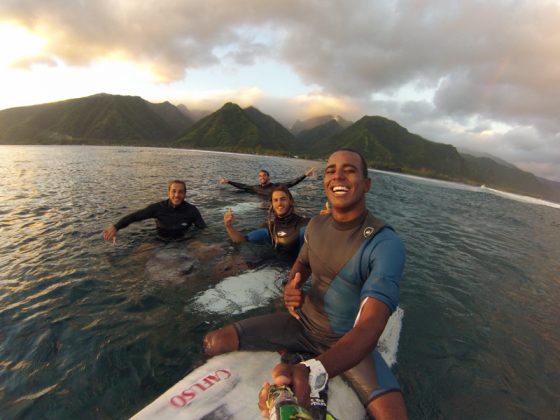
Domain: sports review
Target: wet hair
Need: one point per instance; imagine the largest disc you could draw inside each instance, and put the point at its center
(265, 171)
(364, 162)
(176, 181)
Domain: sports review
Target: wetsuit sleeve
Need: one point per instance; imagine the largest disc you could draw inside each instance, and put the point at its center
(386, 262)
(146, 213)
(241, 186)
(198, 220)
(259, 235)
(293, 181)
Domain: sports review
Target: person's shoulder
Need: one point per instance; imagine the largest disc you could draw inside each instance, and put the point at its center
(318, 220)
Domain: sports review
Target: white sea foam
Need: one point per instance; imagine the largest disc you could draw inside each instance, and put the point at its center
(522, 198)
(482, 188)
(389, 341)
(235, 295)
(243, 207)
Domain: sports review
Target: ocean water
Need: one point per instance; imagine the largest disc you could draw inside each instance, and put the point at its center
(89, 329)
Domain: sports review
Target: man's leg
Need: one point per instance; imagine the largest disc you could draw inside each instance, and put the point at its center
(271, 332)
(388, 406)
(221, 341)
(378, 388)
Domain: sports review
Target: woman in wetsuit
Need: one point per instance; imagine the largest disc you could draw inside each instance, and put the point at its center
(284, 228)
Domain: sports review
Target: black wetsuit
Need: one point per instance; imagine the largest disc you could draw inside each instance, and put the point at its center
(266, 189)
(286, 234)
(171, 222)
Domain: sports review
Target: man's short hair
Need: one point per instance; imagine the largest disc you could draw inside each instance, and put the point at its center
(265, 171)
(176, 181)
(364, 162)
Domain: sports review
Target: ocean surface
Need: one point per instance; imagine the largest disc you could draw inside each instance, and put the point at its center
(95, 330)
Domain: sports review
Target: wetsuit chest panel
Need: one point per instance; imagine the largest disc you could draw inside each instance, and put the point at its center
(335, 257)
(174, 221)
(287, 233)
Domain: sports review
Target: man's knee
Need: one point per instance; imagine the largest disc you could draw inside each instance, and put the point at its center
(221, 341)
(389, 406)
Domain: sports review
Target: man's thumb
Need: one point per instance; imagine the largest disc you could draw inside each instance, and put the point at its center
(296, 281)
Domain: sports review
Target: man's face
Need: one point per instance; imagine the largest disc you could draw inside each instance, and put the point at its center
(344, 181)
(176, 194)
(280, 203)
(263, 178)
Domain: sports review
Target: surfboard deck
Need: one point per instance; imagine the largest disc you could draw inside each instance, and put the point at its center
(227, 387)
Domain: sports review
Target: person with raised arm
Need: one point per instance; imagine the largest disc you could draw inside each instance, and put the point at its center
(264, 187)
(284, 228)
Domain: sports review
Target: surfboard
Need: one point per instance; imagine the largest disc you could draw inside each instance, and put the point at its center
(227, 386)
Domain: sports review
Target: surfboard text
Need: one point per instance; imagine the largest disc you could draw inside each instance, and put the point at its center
(189, 394)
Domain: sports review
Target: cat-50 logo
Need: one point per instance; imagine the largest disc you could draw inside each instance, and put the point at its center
(189, 394)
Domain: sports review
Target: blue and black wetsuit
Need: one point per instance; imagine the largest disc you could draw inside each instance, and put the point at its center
(171, 222)
(350, 262)
(286, 234)
(265, 190)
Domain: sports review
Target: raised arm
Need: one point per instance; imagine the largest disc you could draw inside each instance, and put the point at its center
(233, 234)
(297, 180)
(110, 233)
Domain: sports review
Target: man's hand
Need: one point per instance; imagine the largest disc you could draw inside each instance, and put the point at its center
(228, 218)
(310, 172)
(296, 376)
(223, 180)
(110, 234)
(293, 295)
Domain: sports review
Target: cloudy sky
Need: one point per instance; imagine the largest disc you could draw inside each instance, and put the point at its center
(481, 75)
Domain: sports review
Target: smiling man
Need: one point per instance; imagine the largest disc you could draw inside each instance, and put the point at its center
(174, 216)
(355, 262)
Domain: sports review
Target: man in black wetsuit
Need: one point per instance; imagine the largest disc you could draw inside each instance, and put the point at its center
(284, 230)
(264, 187)
(174, 216)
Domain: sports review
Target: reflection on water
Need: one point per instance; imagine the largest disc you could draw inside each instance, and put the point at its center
(95, 329)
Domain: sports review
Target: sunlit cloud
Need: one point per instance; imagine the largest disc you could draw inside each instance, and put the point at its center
(17, 44)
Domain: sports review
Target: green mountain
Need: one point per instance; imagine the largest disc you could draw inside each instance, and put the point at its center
(308, 138)
(130, 120)
(97, 119)
(314, 122)
(386, 145)
(487, 171)
(234, 129)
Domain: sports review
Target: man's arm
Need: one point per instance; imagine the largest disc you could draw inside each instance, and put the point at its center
(361, 340)
(244, 187)
(233, 233)
(198, 220)
(297, 180)
(146, 213)
(350, 350)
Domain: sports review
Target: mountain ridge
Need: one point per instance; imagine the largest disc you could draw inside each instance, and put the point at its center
(130, 120)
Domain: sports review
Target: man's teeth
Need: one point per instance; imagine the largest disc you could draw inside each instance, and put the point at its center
(339, 189)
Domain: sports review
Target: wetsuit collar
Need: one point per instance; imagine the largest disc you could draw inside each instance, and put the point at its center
(286, 220)
(168, 203)
(350, 224)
